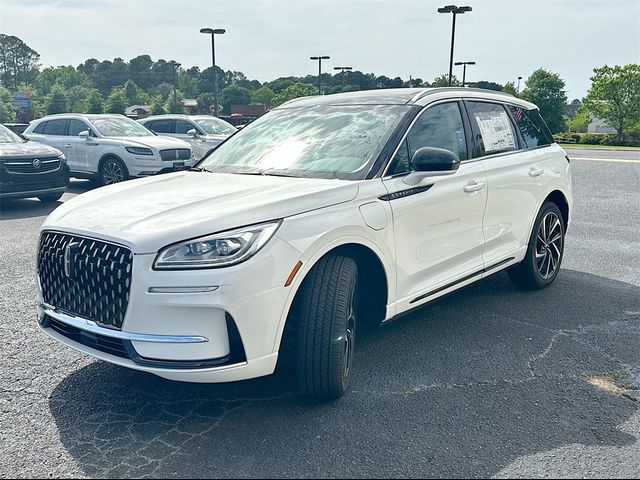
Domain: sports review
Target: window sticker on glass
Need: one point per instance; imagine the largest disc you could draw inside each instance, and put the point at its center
(495, 128)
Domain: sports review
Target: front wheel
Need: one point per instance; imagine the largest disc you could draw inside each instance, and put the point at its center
(327, 311)
(50, 198)
(542, 261)
(112, 171)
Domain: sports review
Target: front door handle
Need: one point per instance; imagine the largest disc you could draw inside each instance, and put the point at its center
(535, 172)
(473, 186)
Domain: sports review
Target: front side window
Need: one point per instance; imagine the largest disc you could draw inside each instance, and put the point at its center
(215, 126)
(494, 130)
(323, 141)
(77, 126)
(182, 126)
(119, 127)
(439, 126)
(56, 127)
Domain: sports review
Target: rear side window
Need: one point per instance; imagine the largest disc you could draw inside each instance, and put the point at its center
(39, 128)
(160, 126)
(533, 131)
(56, 127)
(493, 129)
(439, 126)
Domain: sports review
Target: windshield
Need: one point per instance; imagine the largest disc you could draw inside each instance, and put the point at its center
(214, 126)
(7, 136)
(324, 141)
(119, 127)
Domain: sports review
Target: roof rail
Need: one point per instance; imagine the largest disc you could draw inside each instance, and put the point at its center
(428, 91)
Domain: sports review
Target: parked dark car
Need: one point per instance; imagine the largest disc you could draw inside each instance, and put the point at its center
(30, 169)
(16, 127)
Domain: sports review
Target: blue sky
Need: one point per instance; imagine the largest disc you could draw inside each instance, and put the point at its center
(270, 38)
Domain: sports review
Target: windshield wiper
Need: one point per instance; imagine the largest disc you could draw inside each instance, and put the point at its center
(199, 169)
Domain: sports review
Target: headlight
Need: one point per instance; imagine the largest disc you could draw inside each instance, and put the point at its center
(139, 150)
(217, 250)
(62, 158)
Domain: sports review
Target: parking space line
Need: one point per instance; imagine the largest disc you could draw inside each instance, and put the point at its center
(616, 160)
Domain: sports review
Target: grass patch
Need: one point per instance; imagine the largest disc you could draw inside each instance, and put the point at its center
(595, 147)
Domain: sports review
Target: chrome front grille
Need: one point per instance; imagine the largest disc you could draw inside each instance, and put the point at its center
(85, 277)
(32, 165)
(177, 154)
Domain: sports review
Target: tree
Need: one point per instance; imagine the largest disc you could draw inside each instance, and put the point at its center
(18, 62)
(140, 71)
(94, 102)
(157, 106)
(510, 87)
(58, 101)
(116, 102)
(614, 96)
(67, 77)
(7, 110)
(487, 85)
(294, 91)
(263, 95)
(234, 95)
(546, 90)
(134, 94)
(443, 81)
(178, 106)
(580, 121)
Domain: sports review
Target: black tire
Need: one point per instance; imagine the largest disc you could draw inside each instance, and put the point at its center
(541, 264)
(326, 313)
(50, 198)
(113, 170)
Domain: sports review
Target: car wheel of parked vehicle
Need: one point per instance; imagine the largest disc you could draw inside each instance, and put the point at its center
(327, 311)
(113, 170)
(54, 197)
(544, 255)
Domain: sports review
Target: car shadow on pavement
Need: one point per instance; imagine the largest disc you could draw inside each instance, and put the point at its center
(462, 387)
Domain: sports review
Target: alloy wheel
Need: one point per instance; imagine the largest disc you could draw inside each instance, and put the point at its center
(549, 244)
(112, 173)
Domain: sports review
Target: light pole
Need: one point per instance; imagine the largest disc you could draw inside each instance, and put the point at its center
(175, 66)
(342, 69)
(456, 11)
(518, 89)
(320, 58)
(213, 32)
(464, 70)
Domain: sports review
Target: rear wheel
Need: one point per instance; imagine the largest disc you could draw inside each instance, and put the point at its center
(542, 262)
(326, 312)
(113, 170)
(50, 198)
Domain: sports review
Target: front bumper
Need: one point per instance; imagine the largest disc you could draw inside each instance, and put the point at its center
(178, 327)
(25, 185)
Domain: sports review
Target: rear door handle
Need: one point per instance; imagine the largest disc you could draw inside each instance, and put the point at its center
(535, 172)
(67, 145)
(473, 186)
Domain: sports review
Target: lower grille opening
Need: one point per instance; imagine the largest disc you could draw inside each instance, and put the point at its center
(109, 345)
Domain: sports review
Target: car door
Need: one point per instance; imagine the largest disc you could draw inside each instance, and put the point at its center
(438, 223)
(54, 133)
(76, 147)
(197, 144)
(513, 179)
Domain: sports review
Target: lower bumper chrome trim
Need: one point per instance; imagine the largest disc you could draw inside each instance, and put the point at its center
(89, 326)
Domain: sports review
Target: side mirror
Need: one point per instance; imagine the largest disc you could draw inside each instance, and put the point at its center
(84, 134)
(431, 162)
(23, 137)
(192, 133)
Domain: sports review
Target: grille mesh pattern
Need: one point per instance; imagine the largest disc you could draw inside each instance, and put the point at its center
(175, 154)
(94, 284)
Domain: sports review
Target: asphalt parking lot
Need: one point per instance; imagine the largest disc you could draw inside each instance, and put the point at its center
(490, 381)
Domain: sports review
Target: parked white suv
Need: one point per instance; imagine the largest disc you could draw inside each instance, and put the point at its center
(203, 132)
(324, 213)
(110, 148)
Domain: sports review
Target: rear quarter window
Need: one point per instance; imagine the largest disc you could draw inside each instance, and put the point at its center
(534, 132)
(39, 128)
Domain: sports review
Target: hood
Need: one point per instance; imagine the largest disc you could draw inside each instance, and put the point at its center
(28, 149)
(161, 143)
(150, 213)
(215, 138)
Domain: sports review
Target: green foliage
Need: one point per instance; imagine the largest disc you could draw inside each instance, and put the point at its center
(58, 101)
(7, 110)
(134, 94)
(510, 88)
(293, 91)
(580, 121)
(546, 90)
(487, 85)
(18, 62)
(234, 95)
(443, 81)
(263, 95)
(157, 106)
(614, 96)
(280, 84)
(205, 103)
(66, 77)
(607, 139)
(95, 103)
(116, 102)
(178, 105)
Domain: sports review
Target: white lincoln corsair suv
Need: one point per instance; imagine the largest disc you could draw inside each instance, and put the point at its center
(110, 148)
(324, 213)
